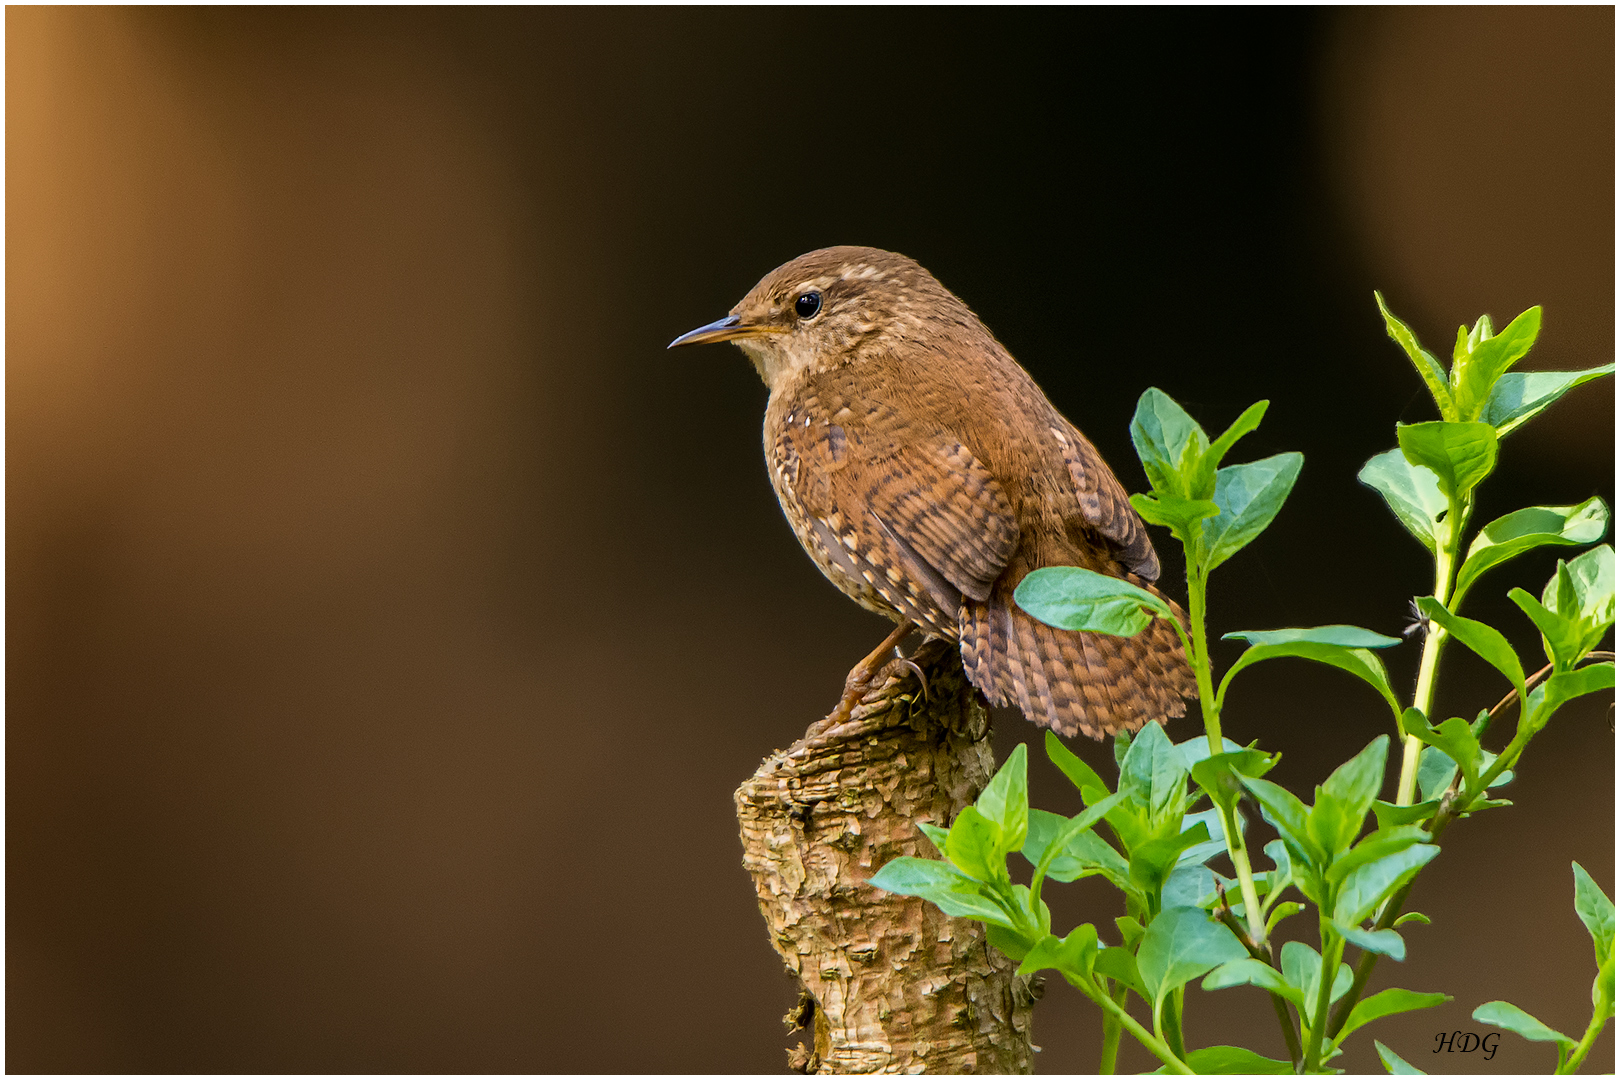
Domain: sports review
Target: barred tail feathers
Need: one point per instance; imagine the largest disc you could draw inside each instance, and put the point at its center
(1074, 682)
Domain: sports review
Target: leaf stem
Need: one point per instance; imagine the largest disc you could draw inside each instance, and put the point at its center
(1332, 953)
(1110, 1046)
(1198, 655)
(1444, 816)
(1600, 1020)
(1445, 566)
(1196, 643)
(1172, 1023)
(1129, 1023)
(1262, 953)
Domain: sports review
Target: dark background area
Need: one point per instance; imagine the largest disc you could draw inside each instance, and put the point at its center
(390, 618)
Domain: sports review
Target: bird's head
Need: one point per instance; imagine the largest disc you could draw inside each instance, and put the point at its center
(833, 306)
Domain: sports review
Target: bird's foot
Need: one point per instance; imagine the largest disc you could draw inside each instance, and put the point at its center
(862, 675)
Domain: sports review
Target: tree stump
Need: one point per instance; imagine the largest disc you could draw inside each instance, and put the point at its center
(889, 983)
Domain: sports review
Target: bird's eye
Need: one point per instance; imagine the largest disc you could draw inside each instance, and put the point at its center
(807, 305)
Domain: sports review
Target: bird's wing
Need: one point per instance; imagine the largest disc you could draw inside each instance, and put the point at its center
(941, 505)
(919, 503)
(1105, 505)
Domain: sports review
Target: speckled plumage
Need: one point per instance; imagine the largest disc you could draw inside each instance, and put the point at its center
(925, 473)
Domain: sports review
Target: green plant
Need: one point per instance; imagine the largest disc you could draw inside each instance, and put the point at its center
(1182, 921)
(1597, 913)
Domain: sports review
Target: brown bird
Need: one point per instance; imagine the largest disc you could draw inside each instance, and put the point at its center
(926, 474)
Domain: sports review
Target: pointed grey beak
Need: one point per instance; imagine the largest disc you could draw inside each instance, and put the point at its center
(725, 329)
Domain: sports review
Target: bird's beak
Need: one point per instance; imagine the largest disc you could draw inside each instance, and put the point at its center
(725, 329)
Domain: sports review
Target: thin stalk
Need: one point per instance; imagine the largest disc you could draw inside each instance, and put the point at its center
(1600, 1020)
(1386, 919)
(1195, 641)
(1172, 1024)
(1198, 656)
(1110, 1047)
(1443, 817)
(1142, 1035)
(1444, 564)
(1332, 953)
(1261, 953)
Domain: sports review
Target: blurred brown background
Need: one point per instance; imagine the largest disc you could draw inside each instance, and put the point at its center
(390, 618)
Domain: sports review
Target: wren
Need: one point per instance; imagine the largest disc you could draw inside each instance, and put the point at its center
(925, 473)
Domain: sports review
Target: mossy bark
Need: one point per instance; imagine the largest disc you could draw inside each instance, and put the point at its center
(890, 983)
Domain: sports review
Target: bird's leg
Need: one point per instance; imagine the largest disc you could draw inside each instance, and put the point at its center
(860, 676)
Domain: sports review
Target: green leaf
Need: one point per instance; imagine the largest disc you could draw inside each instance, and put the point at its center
(1484, 640)
(1518, 397)
(1596, 911)
(1196, 749)
(1412, 492)
(1249, 497)
(1526, 529)
(1211, 821)
(1504, 1015)
(1092, 787)
(1044, 827)
(1433, 374)
(974, 847)
(1412, 916)
(1474, 375)
(1468, 340)
(1130, 931)
(1063, 842)
(1386, 1003)
(1152, 863)
(1389, 815)
(1384, 942)
(1568, 685)
(1240, 427)
(1170, 444)
(1073, 954)
(1362, 663)
(1154, 775)
(1396, 1065)
(1005, 801)
(1349, 637)
(1180, 516)
(1251, 972)
(1286, 814)
(1010, 943)
(1302, 967)
(1379, 845)
(1218, 776)
(935, 834)
(1435, 773)
(1459, 455)
(1576, 607)
(1187, 886)
(1560, 637)
(1362, 891)
(1119, 965)
(1455, 738)
(1181, 944)
(1072, 598)
(1225, 1060)
(1353, 785)
(1281, 912)
(1593, 575)
(1096, 856)
(1277, 852)
(947, 888)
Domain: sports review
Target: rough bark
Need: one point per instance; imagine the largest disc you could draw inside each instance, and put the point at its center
(890, 983)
